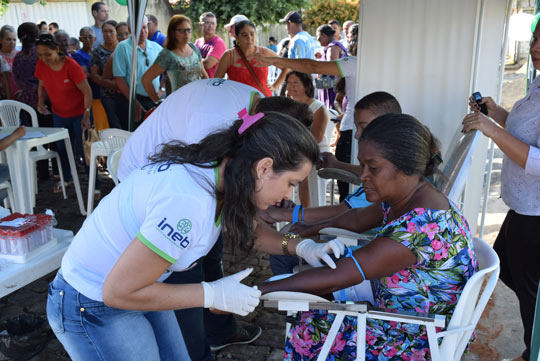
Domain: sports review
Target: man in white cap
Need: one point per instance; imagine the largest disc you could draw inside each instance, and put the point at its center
(302, 44)
(234, 20)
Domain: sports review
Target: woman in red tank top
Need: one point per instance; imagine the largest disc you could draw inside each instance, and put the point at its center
(238, 62)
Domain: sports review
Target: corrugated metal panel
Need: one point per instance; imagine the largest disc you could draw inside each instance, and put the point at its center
(71, 16)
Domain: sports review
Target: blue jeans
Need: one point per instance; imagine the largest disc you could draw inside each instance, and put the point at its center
(282, 264)
(73, 125)
(91, 331)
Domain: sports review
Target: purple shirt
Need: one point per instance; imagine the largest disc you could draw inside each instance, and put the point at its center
(214, 47)
(23, 70)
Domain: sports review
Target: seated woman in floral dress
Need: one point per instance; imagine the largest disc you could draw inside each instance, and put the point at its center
(420, 260)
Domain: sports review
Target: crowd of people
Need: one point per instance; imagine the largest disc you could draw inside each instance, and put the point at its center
(214, 161)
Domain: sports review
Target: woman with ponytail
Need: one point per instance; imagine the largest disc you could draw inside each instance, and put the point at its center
(107, 301)
(420, 260)
(238, 62)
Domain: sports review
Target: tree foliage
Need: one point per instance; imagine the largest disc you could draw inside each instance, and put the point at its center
(4, 5)
(259, 11)
(321, 11)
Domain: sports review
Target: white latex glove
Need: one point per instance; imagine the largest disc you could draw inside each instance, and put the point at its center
(228, 294)
(314, 252)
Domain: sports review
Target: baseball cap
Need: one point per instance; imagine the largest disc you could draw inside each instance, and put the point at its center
(235, 19)
(292, 16)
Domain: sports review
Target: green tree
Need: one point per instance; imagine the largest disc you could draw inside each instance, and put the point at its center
(321, 11)
(259, 11)
(4, 6)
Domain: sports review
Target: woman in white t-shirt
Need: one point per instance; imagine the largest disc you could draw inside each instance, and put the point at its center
(300, 87)
(107, 301)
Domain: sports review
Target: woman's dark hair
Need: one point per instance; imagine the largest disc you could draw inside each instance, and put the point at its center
(354, 40)
(277, 136)
(286, 105)
(47, 40)
(327, 30)
(122, 23)
(112, 23)
(340, 86)
(27, 34)
(379, 103)
(306, 80)
(239, 26)
(405, 142)
(174, 22)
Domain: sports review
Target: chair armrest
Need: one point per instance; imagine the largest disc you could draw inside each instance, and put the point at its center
(408, 317)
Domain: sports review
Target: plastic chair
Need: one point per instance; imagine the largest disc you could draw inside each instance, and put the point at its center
(10, 199)
(112, 164)
(10, 111)
(454, 338)
(110, 140)
(456, 165)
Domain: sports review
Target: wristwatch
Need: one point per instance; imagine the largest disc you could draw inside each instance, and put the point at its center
(87, 110)
(285, 242)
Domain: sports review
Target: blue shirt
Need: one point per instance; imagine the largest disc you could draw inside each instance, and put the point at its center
(83, 58)
(357, 199)
(122, 62)
(273, 48)
(302, 45)
(98, 33)
(158, 37)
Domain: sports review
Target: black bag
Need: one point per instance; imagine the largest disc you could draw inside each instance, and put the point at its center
(23, 337)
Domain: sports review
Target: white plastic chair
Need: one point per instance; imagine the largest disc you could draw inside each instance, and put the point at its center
(112, 164)
(110, 140)
(454, 338)
(10, 199)
(456, 165)
(10, 111)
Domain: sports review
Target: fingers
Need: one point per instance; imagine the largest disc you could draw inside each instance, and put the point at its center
(329, 261)
(242, 274)
(337, 247)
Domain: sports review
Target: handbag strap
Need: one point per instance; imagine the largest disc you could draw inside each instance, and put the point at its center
(249, 68)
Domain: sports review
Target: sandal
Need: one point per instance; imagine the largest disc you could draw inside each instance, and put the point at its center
(58, 186)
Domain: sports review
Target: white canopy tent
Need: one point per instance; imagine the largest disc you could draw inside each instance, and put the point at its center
(430, 54)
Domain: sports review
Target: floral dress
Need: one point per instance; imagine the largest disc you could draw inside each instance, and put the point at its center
(442, 244)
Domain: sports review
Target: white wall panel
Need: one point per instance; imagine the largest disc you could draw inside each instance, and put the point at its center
(71, 16)
(424, 52)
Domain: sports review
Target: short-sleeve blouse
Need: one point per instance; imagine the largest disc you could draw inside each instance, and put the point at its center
(99, 58)
(442, 244)
(180, 70)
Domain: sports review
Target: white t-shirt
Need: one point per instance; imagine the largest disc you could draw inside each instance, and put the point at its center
(324, 144)
(170, 208)
(189, 114)
(347, 69)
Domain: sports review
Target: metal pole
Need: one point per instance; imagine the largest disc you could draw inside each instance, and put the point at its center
(136, 9)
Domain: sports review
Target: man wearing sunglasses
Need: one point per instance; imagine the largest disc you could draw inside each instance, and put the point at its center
(147, 52)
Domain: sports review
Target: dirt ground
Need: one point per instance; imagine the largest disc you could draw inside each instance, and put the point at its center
(499, 332)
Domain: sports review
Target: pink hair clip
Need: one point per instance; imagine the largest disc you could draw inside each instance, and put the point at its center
(248, 120)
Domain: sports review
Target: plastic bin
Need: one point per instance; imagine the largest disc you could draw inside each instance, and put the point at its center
(27, 240)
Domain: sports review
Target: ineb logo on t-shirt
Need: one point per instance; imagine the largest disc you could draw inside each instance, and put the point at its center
(182, 227)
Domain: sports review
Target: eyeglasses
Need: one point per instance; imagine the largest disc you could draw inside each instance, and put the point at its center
(209, 23)
(146, 61)
(183, 31)
(45, 40)
(89, 37)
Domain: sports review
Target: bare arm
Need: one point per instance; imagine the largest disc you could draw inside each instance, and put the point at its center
(356, 220)
(209, 62)
(223, 64)
(320, 121)
(311, 215)
(132, 285)
(42, 97)
(5, 84)
(381, 257)
(10, 139)
(97, 78)
(147, 78)
(514, 148)
(308, 66)
(84, 87)
(203, 71)
(269, 240)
